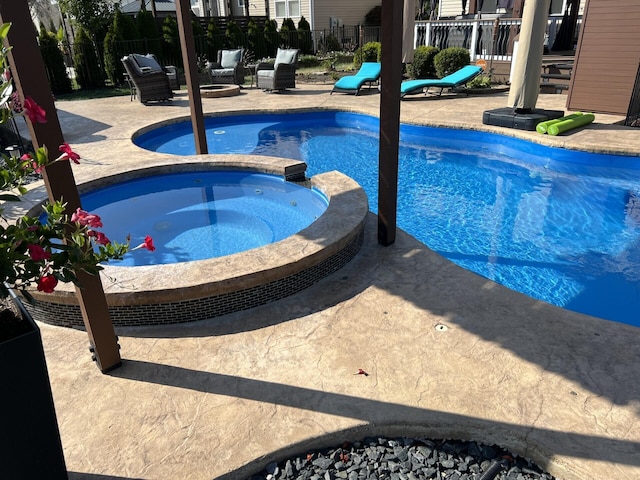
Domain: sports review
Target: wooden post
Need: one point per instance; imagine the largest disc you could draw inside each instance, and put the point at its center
(31, 80)
(188, 46)
(390, 79)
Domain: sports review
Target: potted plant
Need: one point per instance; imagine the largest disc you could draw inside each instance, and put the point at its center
(36, 253)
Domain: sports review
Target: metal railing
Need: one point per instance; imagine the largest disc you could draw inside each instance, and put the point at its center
(485, 38)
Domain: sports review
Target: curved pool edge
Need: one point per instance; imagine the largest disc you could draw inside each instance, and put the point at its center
(567, 142)
(190, 291)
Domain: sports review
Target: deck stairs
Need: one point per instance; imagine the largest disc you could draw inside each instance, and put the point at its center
(556, 74)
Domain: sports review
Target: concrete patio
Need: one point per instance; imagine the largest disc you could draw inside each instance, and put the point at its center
(449, 353)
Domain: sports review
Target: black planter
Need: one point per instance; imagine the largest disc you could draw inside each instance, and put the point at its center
(30, 446)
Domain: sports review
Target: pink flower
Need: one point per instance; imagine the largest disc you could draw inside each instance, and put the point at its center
(34, 111)
(47, 284)
(37, 253)
(29, 162)
(67, 153)
(6, 75)
(86, 218)
(147, 244)
(100, 237)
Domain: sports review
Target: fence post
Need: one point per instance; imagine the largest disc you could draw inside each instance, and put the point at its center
(474, 41)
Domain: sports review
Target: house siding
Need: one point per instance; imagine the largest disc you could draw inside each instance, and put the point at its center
(350, 13)
(607, 57)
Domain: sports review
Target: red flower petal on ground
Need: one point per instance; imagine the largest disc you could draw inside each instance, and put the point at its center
(69, 153)
(34, 111)
(47, 284)
(37, 253)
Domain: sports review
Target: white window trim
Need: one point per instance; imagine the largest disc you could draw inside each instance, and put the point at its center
(286, 8)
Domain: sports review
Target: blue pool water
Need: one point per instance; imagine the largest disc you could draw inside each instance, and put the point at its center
(200, 215)
(558, 225)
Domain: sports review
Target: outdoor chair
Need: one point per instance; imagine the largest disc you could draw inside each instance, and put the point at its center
(369, 73)
(279, 75)
(454, 80)
(149, 79)
(229, 67)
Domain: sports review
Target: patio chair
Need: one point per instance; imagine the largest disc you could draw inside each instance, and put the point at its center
(454, 80)
(369, 73)
(149, 79)
(229, 67)
(279, 75)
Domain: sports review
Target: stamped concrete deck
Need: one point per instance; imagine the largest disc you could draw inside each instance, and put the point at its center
(222, 397)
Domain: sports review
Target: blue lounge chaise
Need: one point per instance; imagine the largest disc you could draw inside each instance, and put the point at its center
(369, 72)
(456, 79)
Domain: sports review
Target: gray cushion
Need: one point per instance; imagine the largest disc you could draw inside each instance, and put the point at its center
(146, 63)
(230, 58)
(266, 73)
(286, 56)
(222, 72)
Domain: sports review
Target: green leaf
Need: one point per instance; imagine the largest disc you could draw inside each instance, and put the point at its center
(4, 30)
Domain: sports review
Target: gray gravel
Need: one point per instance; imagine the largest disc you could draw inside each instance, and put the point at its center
(381, 458)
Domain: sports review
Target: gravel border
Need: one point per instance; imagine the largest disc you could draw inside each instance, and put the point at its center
(382, 458)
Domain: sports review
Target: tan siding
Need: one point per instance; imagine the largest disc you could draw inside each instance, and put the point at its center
(350, 12)
(607, 57)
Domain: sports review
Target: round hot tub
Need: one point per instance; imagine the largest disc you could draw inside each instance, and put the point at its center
(184, 291)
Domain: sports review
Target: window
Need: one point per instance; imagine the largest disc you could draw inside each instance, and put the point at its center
(287, 8)
(241, 3)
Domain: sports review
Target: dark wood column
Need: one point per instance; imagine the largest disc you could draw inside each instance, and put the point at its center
(390, 79)
(31, 80)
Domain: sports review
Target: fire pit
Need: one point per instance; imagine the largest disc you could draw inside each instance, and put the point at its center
(216, 91)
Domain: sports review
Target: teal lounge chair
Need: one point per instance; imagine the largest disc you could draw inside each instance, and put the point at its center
(456, 79)
(369, 72)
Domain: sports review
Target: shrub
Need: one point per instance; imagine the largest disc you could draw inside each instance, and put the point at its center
(369, 52)
(332, 44)
(308, 61)
(422, 65)
(451, 59)
(481, 81)
(54, 62)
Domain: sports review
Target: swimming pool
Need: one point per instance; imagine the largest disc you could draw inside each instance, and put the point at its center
(560, 226)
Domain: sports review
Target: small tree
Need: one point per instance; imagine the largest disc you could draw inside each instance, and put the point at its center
(234, 35)
(148, 31)
(54, 62)
(288, 34)
(112, 65)
(304, 36)
(121, 30)
(271, 37)
(85, 59)
(215, 40)
(170, 40)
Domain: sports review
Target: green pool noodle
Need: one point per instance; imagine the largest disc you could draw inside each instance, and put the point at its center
(543, 127)
(567, 125)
